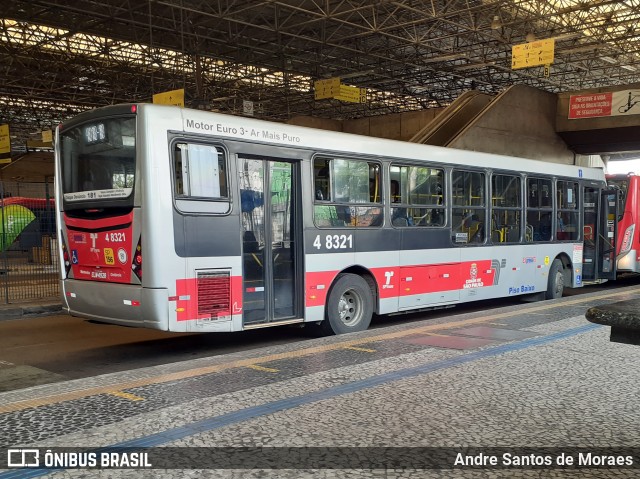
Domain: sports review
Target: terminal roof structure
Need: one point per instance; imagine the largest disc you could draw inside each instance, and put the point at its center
(62, 57)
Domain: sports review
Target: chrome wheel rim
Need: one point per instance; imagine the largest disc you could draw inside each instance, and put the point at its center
(350, 308)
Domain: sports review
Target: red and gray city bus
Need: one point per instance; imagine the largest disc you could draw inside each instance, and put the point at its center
(628, 242)
(186, 220)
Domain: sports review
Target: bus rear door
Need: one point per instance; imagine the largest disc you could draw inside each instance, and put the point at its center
(600, 232)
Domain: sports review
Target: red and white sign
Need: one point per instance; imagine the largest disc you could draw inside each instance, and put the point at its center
(593, 105)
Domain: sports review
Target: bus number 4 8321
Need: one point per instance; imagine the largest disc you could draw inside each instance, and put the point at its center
(334, 242)
(114, 237)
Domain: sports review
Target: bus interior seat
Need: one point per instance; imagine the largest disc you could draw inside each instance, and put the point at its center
(474, 228)
(497, 232)
(478, 235)
(400, 221)
(250, 243)
(529, 232)
(513, 234)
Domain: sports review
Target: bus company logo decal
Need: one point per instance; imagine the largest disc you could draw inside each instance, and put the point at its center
(94, 237)
(98, 275)
(529, 260)
(79, 238)
(496, 266)
(388, 275)
(473, 281)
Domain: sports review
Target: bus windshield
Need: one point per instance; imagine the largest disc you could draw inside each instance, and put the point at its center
(97, 160)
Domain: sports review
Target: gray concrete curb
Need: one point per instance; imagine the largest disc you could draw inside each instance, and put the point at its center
(29, 310)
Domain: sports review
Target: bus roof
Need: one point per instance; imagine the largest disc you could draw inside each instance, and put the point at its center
(268, 132)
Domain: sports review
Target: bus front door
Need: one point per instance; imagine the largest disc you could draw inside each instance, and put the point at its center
(270, 240)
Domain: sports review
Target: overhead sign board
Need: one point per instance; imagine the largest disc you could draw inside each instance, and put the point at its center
(352, 94)
(532, 54)
(5, 141)
(328, 88)
(173, 97)
(332, 88)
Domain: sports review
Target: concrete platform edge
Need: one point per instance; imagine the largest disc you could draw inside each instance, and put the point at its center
(17, 311)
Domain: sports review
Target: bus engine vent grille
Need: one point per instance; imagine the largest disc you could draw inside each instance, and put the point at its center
(214, 294)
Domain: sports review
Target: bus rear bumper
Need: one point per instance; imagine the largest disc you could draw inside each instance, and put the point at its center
(123, 304)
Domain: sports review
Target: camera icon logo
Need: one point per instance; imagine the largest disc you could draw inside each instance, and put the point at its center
(23, 458)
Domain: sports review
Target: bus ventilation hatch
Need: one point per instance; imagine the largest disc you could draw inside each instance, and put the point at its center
(214, 293)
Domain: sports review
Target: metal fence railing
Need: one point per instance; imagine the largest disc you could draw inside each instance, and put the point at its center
(29, 265)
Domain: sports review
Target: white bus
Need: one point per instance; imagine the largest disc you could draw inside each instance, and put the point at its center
(245, 223)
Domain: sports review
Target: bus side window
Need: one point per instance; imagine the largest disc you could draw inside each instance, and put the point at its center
(468, 207)
(416, 196)
(199, 171)
(567, 217)
(321, 180)
(506, 208)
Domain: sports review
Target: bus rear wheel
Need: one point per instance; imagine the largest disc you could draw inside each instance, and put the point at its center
(349, 306)
(555, 288)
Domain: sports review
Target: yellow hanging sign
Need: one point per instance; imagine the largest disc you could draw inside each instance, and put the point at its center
(173, 97)
(532, 54)
(5, 141)
(328, 88)
(351, 94)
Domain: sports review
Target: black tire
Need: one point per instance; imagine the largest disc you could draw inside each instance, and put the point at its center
(349, 306)
(555, 287)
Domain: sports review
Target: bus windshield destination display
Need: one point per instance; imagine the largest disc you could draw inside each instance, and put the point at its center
(95, 134)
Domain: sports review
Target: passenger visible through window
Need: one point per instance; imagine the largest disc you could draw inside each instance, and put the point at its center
(417, 196)
(347, 193)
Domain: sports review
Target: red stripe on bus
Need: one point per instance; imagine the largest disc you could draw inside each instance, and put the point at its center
(394, 282)
(391, 282)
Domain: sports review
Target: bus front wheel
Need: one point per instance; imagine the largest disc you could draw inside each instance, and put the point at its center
(350, 305)
(555, 287)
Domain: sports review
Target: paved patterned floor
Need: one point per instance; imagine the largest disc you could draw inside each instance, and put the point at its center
(401, 401)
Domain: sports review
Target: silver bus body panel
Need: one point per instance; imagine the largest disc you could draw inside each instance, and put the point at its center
(124, 304)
